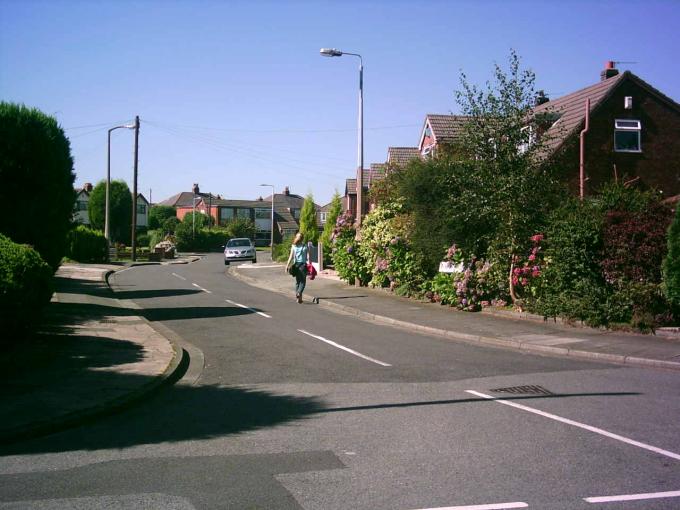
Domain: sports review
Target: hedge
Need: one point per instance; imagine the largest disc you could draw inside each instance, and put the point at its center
(86, 245)
(25, 287)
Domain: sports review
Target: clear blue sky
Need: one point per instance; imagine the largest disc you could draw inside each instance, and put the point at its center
(233, 94)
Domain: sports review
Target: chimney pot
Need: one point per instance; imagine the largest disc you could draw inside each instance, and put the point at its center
(286, 191)
(195, 189)
(609, 70)
(88, 187)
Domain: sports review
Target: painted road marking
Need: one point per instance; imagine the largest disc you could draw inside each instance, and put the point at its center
(255, 266)
(199, 287)
(633, 497)
(492, 506)
(248, 308)
(602, 432)
(178, 276)
(330, 342)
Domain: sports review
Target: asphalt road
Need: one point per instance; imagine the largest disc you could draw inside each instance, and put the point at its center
(298, 407)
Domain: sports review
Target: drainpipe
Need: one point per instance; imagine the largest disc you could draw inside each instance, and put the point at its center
(582, 136)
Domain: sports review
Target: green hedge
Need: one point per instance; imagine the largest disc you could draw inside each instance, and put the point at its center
(86, 245)
(35, 159)
(671, 266)
(25, 287)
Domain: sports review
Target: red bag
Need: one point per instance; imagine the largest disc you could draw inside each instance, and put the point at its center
(311, 271)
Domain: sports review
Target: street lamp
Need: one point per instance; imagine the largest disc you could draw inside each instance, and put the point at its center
(332, 52)
(108, 182)
(271, 243)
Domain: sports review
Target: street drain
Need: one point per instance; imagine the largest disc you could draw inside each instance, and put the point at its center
(531, 389)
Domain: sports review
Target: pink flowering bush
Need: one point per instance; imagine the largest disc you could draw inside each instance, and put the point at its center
(346, 256)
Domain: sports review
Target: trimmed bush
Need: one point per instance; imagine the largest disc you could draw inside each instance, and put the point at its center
(671, 266)
(25, 287)
(35, 158)
(86, 245)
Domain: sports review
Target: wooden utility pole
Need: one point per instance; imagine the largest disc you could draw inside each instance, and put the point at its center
(134, 191)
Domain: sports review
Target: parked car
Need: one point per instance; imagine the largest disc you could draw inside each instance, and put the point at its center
(238, 249)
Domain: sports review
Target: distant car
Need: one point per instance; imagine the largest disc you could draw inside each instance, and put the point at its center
(238, 249)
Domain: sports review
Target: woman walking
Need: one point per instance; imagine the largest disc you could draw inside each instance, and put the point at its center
(299, 256)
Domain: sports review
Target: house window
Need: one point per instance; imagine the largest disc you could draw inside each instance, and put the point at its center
(263, 214)
(82, 205)
(627, 135)
(295, 213)
(141, 208)
(243, 213)
(528, 136)
(323, 217)
(226, 214)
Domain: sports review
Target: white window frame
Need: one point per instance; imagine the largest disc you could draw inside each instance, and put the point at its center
(323, 216)
(620, 126)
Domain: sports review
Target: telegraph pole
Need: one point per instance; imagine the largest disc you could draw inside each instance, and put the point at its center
(134, 191)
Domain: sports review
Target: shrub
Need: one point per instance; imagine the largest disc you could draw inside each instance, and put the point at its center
(347, 259)
(170, 225)
(671, 266)
(25, 287)
(240, 227)
(35, 157)
(282, 250)
(155, 237)
(574, 286)
(635, 244)
(86, 245)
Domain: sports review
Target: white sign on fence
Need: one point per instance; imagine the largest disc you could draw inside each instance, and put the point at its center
(447, 266)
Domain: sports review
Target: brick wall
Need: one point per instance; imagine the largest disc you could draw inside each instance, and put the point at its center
(657, 166)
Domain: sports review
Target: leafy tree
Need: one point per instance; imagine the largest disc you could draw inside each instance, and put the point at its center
(515, 190)
(331, 218)
(170, 225)
(158, 214)
(308, 226)
(35, 158)
(202, 220)
(86, 245)
(241, 227)
(120, 209)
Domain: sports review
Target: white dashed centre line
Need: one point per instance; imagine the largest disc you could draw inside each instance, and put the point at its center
(178, 276)
(492, 506)
(330, 342)
(596, 430)
(633, 497)
(199, 287)
(248, 308)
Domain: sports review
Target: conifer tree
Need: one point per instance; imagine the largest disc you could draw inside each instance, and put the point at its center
(308, 227)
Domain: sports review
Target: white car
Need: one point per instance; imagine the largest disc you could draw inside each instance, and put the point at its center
(238, 249)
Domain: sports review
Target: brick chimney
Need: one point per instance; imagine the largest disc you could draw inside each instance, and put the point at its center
(195, 189)
(540, 98)
(88, 187)
(608, 71)
(286, 191)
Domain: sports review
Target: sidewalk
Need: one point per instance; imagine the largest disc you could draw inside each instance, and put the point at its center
(504, 329)
(92, 354)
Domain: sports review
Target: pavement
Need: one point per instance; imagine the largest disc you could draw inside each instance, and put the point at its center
(94, 354)
(91, 355)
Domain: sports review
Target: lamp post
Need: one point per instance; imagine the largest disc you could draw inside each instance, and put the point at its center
(271, 243)
(108, 182)
(332, 52)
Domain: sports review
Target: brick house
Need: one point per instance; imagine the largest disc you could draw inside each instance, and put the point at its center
(633, 134)
(440, 131)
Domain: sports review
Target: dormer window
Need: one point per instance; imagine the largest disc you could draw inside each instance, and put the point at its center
(627, 135)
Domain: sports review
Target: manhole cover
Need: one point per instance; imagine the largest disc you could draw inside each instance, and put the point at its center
(530, 389)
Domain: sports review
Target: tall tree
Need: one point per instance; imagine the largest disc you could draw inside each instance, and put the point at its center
(331, 218)
(308, 226)
(120, 209)
(35, 161)
(158, 214)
